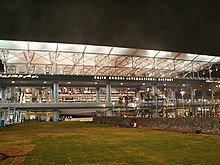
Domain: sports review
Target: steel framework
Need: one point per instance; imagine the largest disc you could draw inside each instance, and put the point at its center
(57, 58)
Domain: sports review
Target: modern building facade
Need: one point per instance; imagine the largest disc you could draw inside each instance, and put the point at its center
(65, 79)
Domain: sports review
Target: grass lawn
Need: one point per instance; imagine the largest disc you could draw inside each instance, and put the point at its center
(88, 143)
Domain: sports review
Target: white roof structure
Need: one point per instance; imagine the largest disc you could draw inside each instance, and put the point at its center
(76, 59)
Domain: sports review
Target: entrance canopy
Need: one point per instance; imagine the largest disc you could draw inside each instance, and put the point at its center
(23, 57)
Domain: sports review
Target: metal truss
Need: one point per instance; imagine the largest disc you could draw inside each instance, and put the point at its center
(72, 59)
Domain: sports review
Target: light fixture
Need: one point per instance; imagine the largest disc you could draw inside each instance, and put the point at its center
(45, 82)
(182, 93)
(143, 84)
(164, 84)
(121, 83)
(68, 82)
(184, 85)
(12, 82)
(96, 83)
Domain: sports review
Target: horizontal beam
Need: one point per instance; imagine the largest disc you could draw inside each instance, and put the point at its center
(52, 106)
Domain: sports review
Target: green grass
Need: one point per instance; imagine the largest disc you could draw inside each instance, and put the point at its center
(88, 143)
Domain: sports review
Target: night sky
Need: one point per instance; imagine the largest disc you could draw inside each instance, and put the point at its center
(175, 25)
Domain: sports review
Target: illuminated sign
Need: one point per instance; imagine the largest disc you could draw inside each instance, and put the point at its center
(18, 76)
(131, 78)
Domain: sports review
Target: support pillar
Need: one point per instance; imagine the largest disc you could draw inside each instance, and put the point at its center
(138, 94)
(154, 93)
(4, 95)
(55, 99)
(139, 100)
(5, 114)
(97, 94)
(173, 94)
(193, 94)
(39, 96)
(55, 95)
(108, 92)
(56, 115)
(154, 89)
(19, 116)
(1, 117)
(173, 98)
(1, 98)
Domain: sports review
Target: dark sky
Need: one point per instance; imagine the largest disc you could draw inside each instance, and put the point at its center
(174, 25)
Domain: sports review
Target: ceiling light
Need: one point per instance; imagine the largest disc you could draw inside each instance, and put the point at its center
(68, 82)
(12, 82)
(143, 84)
(96, 83)
(182, 92)
(45, 82)
(121, 83)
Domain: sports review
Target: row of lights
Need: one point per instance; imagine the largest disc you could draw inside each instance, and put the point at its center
(212, 81)
(46, 82)
(94, 83)
(217, 86)
(13, 82)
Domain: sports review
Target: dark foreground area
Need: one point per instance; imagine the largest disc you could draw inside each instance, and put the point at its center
(90, 143)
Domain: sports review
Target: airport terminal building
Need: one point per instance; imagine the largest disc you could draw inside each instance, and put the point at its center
(52, 81)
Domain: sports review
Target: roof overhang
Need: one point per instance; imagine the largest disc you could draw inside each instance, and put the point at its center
(25, 57)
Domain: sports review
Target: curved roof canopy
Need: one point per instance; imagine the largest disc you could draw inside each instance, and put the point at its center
(58, 58)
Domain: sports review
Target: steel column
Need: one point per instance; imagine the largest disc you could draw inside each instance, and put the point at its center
(108, 92)
(97, 94)
(55, 94)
